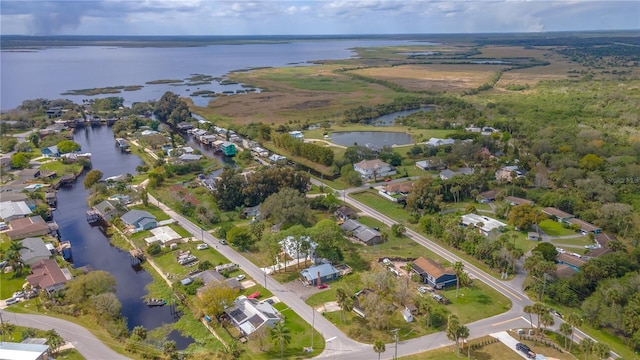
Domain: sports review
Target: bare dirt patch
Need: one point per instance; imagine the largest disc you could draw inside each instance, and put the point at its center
(445, 77)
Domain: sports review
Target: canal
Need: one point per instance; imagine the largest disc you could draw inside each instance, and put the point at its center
(91, 247)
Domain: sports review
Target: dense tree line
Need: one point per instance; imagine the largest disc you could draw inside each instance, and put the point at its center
(314, 152)
(171, 109)
(235, 189)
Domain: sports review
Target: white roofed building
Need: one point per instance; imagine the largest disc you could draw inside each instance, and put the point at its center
(249, 315)
(484, 224)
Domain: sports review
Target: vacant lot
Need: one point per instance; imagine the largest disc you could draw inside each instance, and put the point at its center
(445, 77)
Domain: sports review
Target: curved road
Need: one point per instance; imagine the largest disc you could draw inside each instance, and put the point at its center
(84, 341)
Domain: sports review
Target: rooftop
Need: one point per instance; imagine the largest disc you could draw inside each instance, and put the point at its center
(428, 266)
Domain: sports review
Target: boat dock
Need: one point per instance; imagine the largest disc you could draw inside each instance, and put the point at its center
(123, 145)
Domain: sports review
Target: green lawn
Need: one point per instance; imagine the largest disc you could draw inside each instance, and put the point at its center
(554, 228)
(476, 302)
(153, 210)
(11, 284)
(580, 241)
(493, 351)
(372, 199)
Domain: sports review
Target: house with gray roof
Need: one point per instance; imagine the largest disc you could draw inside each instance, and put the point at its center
(13, 210)
(249, 315)
(362, 233)
(107, 210)
(449, 174)
(51, 152)
(139, 220)
(24, 351)
(34, 250)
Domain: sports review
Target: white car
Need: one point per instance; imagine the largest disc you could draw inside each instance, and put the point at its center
(11, 301)
(240, 277)
(202, 246)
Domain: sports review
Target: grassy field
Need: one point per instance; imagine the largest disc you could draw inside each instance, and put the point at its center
(494, 351)
(476, 302)
(579, 241)
(11, 284)
(554, 228)
(372, 199)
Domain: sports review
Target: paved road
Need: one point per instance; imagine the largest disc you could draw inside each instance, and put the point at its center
(84, 341)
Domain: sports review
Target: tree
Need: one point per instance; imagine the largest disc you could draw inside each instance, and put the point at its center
(139, 332)
(566, 329)
(528, 309)
(106, 306)
(602, 350)
(547, 320)
(586, 345)
(591, 162)
(575, 320)
(92, 178)
(548, 251)
(522, 216)
(54, 340)
(379, 347)
(287, 206)
(458, 268)
(154, 249)
(13, 258)
(19, 161)
(426, 307)
(281, 336)
(87, 286)
(463, 333)
(240, 237)
(169, 348)
(68, 146)
(398, 230)
(214, 299)
(34, 138)
(539, 309)
(453, 330)
(345, 301)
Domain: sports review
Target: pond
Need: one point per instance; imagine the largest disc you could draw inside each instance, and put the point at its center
(375, 139)
(390, 119)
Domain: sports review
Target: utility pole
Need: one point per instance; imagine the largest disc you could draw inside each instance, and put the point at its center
(544, 284)
(395, 337)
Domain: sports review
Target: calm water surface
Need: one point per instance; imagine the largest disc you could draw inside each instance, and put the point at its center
(91, 247)
(47, 73)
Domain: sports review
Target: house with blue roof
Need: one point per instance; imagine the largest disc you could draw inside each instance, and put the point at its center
(139, 220)
(318, 274)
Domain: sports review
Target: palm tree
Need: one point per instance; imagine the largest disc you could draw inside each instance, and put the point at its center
(13, 257)
(566, 329)
(341, 296)
(425, 306)
(54, 340)
(602, 350)
(547, 320)
(463, 333)
(586, 345)
(453, 326)
(575, 320)
(528, 309)
(458, 268)
(539, 309)
(379, 347)
(281, 336)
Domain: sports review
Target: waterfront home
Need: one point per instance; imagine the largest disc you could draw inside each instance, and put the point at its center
(484, 224)
(10, 210)
(164, 235)
(107, 210)
(50, 152)
(432, 273)
(47, 275)
(228, 148)
(27, 227)
(189, 157)
(34, 250)
(139, 220)
(24, 351)
(318, 274)
(249, 315)
(429, 164)
(439, 142)
(259, 151)
(275, 158)
(211, 278)
(374, 169)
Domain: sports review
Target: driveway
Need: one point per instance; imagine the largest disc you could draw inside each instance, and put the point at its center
(508, 340)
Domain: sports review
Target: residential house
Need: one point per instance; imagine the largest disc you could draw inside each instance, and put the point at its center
(507, 174)
(396, 192)
(557, 214)
(13, 196)
(211, 278)
(10, 210)
(47, 275)
(27, 175)
(358, 307)
(603, 238)
(298, 249)
(318, 274)
(429, 164)
(5, 163)
(165, 235)
(344, 213)
(563, 272)
(597, 253)
(50, 152)
(585, 227)
(23, 351)
(251, 211)
(262, 152)
(107, 210)
(484, 224)
(228, 148)
(448, 174)
(374, 169)
(34, 250)
(249, 315)
(184, 126)
(515, 201)
(189, 157)
(488, 196)
(296, 134)
(361, 232)
(574, 262)
(432, 273)
(275, 158)
(439, 142)
(27, 227)
(139, 220)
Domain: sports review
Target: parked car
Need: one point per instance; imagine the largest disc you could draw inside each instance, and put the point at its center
(526, 350)
(425, 289)
(556, 313)
(223, 242)
(18, 294)
(11, 301)
(387, 179)
(240, 277)
(323, 286)
(202, 247)
(3, 226)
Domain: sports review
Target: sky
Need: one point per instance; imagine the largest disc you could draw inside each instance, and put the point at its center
(311, 17)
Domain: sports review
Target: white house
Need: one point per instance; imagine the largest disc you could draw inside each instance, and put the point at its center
(483, 223)
(298, 249)
(249, 315)
(165, 235)
(439, 142)
(13, 210)
(374, 169)
(275, 158)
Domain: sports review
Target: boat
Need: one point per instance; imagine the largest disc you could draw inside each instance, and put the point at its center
(64, 249)
(155, 302)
